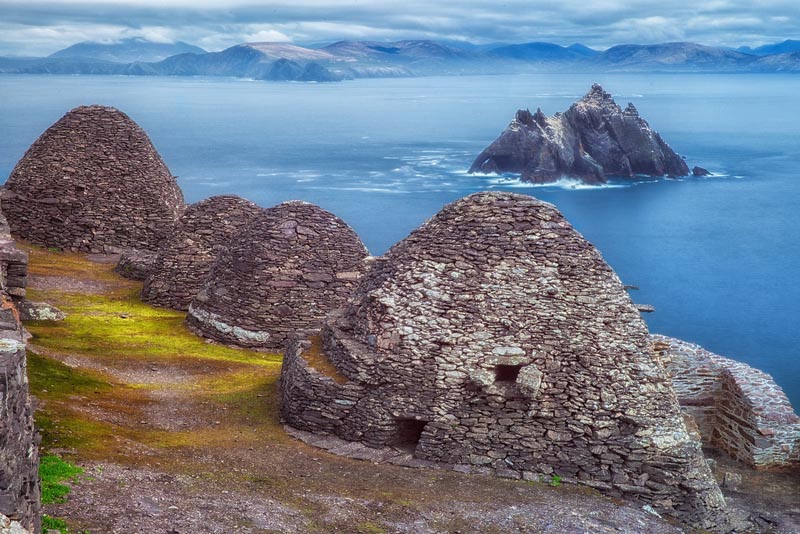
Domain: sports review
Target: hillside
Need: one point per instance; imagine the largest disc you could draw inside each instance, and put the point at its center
(367, 59)
(126, 51)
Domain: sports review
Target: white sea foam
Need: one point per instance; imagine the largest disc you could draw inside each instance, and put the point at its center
(362, 189)
(561, 183)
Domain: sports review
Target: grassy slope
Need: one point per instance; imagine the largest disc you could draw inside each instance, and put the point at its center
(125, 383)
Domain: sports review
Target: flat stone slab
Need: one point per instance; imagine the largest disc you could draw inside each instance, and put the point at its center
(385, 455)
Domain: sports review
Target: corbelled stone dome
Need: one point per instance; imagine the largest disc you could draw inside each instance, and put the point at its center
(290, 266)
(92, 182)
(186, 256)
(496, 337)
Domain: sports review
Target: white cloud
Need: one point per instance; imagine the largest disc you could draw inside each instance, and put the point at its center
(260, 34)
(43, 26)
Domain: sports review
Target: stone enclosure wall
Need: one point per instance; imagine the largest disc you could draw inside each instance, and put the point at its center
(496, 338)
(92, 182)
(738, 409)
(19, 457)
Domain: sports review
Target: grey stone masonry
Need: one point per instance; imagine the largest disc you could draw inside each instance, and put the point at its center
(7, 526)
(92, 182)
(281, 274)
(184, 259)
(136, 264)
(496, 337)
(19, 457)
(739, 410)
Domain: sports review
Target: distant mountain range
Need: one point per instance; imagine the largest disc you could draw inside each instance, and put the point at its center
(361, 59)
(786, 47)
(126, 51)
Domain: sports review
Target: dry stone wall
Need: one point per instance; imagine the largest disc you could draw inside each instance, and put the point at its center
(7, 526)
(136, 264)
(738, 409)
(185, 258)
(19, 457)
(93, 182)
(289, 267)
(495, 338)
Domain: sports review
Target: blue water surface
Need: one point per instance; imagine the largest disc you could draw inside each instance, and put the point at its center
(718, 257)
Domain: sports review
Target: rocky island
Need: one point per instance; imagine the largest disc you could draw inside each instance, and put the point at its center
(593, 140)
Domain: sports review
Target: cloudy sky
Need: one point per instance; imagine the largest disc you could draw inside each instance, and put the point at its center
(36, 27)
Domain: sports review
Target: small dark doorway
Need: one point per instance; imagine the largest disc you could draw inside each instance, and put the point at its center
(409, 432)
(506, 373)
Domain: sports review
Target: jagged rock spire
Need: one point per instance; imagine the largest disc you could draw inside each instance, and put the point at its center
(593, 140)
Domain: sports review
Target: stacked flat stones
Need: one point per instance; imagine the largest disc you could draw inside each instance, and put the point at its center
(185, 258)
(738, 409)
(495, 337)
(93, 182)
(289, 267)
(19, 452)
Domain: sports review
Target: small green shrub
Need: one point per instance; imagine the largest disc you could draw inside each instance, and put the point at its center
(53, 470)
(54, 523)
(555, 481)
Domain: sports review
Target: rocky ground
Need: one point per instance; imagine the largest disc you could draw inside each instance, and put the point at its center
(181, 436)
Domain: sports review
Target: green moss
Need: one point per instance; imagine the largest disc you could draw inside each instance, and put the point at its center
(51, 378)
(370, 527)
(65, 430)
(121, 326)
(105, 415)
(53, 523)
(53, 471)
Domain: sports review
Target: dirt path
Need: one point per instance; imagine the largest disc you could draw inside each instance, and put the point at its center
(180, 436)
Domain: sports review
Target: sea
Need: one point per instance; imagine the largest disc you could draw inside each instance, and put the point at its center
(718, 257)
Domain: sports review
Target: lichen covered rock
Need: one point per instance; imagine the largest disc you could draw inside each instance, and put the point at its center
(184, 259)
(495, 338)
(92, 182)
(592, 140)
(290, 266)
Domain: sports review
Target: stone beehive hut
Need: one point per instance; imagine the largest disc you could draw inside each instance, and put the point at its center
(92, 182)
(289, 267)
(496, 339)
(184, 259)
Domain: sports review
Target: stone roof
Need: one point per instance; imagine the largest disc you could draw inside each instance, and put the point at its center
(186, 256)
(92, 182)
(495, 337)
(289, 267)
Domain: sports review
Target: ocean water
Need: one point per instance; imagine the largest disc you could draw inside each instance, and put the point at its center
(718, 257)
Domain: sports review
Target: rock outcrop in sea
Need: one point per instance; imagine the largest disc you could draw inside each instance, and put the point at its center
(281, 274)
(186, 256)
(593, 140)
(92, 182)
(496, 339)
